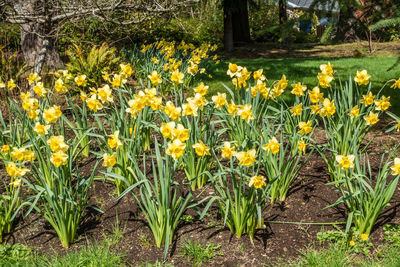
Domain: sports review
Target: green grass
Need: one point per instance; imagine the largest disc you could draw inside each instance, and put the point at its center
(197, 253)
(305, 70)
(335, 256)
(91, 256)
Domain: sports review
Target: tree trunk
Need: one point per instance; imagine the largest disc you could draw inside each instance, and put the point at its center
(228, 29)
(282, 11)
(240, 25)
(37, 43)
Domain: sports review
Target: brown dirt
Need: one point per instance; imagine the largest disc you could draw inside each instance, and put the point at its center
(357, 49)
(305, 202)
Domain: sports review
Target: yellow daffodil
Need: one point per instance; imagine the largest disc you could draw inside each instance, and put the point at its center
(324, 79)
(201, 149)
(118, 81)
(362, 77)
(257, 181)
(5, 149)
(258, 75)
(29, 155)
(200, 101)
(232, 69)
(246, 158)
(192, 69)
(11, 85)
(315, 95)
(371, 118)
(33, 78)
(227, 150)
(18, 154)
(219, 100)
(345, 162)
(113, 141)
(59, 158)
(282, 83)
(190, 108)
(41, 129)
(367, 99)
(60, 87)
(297, 110)
(93, 103)
(126, 70)
(298, 89)
(315, 109)
(176, 149)
(155, 78)
(39, 90)
(328, 108)
(354, 111)
(135, 106)
(272, 146)
(15, 171)
(109, 160)
(181, 133)
(201, 89)
(81, 80)
(246, 113)
(155, 60)
(382, 104)
(174, 113)
(167, 129)
(396, 166)
(305, 127)
(52, 114)
(57, 143)
(396, 84)
(16, 183)
(105, 94)
(301, 146)
(177, 77)
(326, 68)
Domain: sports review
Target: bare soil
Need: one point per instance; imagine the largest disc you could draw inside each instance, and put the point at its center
(356, 49)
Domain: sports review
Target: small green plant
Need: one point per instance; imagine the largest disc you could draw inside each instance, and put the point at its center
(93, 63)
(352, 241)
(364, 200)
(392, 234)
(14, 255)
(241, 198)
(197, 253)
(116, 233)
(156, 264)
(160, 198)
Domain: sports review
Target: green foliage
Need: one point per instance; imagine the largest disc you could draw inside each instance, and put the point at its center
(11, 66)
(93, 63)
(10, 204)
(15, 255)
(160, 198)
(334, 256)
(351, 241)
(392, 234)
(197, 253)
(365, 200)
(93, 255)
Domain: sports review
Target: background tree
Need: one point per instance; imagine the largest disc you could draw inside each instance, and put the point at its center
(41, 20)
(236, 23)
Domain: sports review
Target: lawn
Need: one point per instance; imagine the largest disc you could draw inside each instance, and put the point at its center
(305, 70)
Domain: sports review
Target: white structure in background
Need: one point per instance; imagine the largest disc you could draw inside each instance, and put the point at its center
(331, 6)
